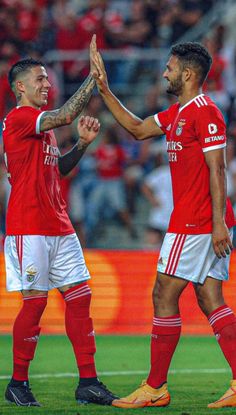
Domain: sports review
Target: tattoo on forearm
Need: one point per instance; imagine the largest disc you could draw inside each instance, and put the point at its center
(71, 109)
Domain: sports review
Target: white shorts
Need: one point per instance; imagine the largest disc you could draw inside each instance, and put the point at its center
(192, 258)
(35, 262)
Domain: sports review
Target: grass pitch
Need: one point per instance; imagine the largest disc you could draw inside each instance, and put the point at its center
(199, 375)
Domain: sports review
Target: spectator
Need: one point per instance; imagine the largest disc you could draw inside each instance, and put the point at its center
(214, 84)
(108, 198)
(156, 188)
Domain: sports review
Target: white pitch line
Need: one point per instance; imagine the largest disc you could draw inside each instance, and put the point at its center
(123, 373)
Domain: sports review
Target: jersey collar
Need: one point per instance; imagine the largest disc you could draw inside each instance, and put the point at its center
(189, 102)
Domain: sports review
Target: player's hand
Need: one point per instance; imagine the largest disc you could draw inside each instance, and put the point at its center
(97, 66)
(88, 128)
(221, 240)
(92, 51)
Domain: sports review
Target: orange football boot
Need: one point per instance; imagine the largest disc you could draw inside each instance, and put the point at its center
(144, 396)
(228, 399)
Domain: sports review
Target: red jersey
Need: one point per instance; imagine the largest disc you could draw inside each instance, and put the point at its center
(36, 206)
(191, 130)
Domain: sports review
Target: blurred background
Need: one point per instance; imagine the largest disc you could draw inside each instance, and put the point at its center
(119, 196)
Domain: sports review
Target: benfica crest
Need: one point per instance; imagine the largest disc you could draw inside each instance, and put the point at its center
(179, 129)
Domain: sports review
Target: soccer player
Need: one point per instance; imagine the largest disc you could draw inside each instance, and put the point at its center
(198, 243)
(42, 250)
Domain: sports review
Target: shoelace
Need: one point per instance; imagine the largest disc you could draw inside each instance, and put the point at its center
(27, 391)
(105, 389)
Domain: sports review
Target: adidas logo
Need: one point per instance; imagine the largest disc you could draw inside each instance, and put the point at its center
(91, 334)
(160, 261)
(31, 339)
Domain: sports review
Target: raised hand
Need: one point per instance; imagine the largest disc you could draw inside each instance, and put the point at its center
(97, 66)
(92, 51)
(88, 128)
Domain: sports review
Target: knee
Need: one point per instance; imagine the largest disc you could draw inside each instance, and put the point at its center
(164, 300)
(208, 302)
(156, 295)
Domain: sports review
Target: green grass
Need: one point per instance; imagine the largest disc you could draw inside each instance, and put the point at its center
(190, 392)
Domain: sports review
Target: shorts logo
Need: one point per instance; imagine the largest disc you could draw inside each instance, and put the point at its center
(31, 272)
(162, 261)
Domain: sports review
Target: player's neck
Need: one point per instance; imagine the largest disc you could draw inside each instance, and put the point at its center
(26, 103)
(188, 96)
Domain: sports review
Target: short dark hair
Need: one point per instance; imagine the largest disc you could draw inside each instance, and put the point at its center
(22, 66)
(195, 55)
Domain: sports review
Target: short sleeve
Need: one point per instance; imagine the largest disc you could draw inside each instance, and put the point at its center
(163, 120)
(27, 121)
(211, 129)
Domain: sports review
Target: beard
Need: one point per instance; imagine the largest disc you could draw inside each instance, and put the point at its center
(175, 87)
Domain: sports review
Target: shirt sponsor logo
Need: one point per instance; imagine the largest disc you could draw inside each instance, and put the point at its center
(214, 138)
(212, 128)
(52, 154)
(173, 147)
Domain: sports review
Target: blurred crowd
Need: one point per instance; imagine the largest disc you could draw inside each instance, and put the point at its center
(116, 172)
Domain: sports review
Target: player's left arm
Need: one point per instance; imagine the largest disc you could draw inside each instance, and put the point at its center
(216, 163)
(88, 128)
(72, 107)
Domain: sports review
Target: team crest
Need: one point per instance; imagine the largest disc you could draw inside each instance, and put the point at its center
(180, 127)
(31, 272)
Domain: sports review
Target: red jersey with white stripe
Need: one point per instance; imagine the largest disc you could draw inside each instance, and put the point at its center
(192, 130)
(36, 206)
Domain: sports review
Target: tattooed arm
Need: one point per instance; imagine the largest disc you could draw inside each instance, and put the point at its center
(70, 110)
(75, 105)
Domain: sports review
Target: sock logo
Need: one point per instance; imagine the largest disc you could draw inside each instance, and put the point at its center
(33, 339)
(217, 336)
(155, 336)
(91, 334)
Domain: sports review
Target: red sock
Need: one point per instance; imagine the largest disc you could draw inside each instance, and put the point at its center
(26, 333)
(79, 328)
(165, 337)
(223, 322)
